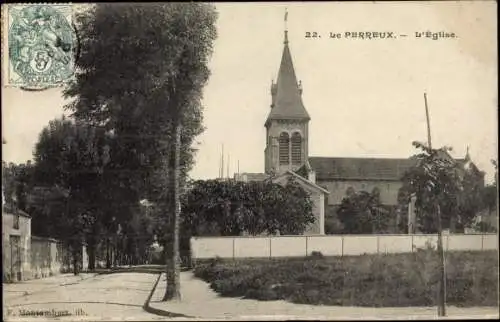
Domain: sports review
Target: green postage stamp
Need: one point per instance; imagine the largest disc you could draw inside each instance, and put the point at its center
(41, 45)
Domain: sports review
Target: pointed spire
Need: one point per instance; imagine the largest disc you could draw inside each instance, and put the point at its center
(467, 155)
(286, 26)
(467, 160)
(286, 93)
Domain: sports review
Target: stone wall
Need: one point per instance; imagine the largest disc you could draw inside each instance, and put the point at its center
(50, 257)
(43, 257)
(340, 245)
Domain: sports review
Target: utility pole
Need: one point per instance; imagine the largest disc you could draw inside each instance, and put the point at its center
(222, 165)
(440, 249)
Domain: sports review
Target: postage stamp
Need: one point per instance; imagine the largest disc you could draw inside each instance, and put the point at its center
(41, 43)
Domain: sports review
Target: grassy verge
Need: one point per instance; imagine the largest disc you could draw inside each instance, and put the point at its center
(389, 280)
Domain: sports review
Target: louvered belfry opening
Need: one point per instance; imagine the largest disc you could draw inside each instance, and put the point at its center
(296, 148)
(284, 148)
(287, 119)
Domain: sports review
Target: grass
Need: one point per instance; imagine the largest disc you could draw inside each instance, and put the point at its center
(389, 280)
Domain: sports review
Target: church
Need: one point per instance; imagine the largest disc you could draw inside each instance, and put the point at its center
(327, 179)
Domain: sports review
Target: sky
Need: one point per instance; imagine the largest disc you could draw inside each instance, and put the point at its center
(365, 97)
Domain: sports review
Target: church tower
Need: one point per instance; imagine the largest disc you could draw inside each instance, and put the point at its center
(287, 131)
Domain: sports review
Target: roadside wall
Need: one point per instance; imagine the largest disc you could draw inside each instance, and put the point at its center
(328, 245)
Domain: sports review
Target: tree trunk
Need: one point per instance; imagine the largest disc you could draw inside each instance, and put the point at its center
(173, 261)
(108, 255)
(91, 252)
(75, 260)
(453, 224)
(115, 252)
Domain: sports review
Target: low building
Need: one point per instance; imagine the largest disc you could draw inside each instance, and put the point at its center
(29, 257)
(16, 245)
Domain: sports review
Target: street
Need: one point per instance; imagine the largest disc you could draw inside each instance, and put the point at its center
(87, 297)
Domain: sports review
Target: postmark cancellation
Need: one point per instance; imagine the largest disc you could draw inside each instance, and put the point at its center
(40, 46)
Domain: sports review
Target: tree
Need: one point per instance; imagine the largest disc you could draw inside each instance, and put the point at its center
(436, 179)
(68, 199)
(141, 73)
(215, 202)
(253, 207)
(457, 189)
(470, 200)
(16, 180)
(401, 210)
(436, 182)
(490, 195)
(362, 213)
(295, 209)
(489, 200)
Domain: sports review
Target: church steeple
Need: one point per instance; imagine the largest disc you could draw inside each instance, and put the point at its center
(286, 27)
(287, 123)
(287, 91)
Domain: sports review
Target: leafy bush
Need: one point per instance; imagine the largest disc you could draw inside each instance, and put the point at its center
(485, 227)
(316, 254)
(388, 280)
(255, 207)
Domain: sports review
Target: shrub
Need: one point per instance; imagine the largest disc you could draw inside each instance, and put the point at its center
(316, 254)
(485, 227)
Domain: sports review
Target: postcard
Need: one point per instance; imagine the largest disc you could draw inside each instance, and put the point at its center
(250, 161)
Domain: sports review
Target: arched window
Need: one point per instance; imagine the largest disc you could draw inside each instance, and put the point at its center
(284, 148)
(296, 148)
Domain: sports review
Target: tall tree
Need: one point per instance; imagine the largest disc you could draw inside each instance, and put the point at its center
(461, 194)
(437, 179)
(141, 73)
(68, 188)
(16, 183)
(490, 197)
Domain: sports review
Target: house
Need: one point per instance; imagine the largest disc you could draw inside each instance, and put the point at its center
(25, 256)
(16, 244)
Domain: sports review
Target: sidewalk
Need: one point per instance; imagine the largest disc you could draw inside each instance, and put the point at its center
(24, 288)
(199, 301)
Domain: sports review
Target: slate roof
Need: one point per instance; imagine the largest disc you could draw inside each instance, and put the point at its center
(287, 101)
(383, 169)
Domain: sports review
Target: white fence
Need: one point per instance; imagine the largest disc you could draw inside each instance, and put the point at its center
(332, 245)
